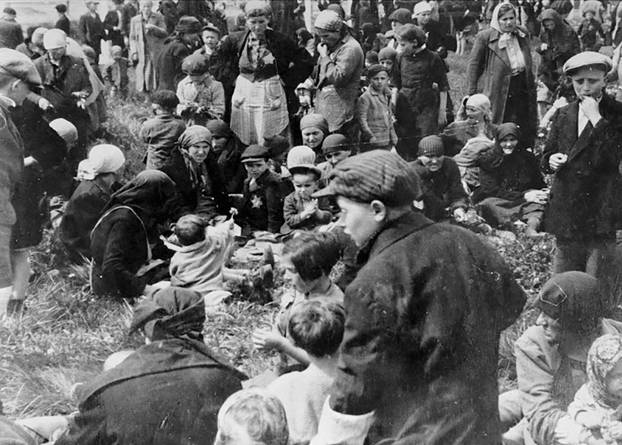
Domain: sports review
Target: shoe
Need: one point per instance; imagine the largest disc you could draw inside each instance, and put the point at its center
(268, 256)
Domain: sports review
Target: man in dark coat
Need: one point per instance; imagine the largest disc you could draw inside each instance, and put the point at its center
(91, 28)
(424, 315)
(112, 24)
(168, 391)
(11, 33)
(584, 152)
(62, 22)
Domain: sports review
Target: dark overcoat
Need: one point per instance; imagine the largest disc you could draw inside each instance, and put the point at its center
(421, 336)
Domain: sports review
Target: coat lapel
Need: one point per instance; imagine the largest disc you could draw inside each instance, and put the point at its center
(493, 44)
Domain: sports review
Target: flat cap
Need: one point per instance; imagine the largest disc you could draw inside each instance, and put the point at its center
(255, 152)
(19, 66)
(401, 15)
(587, 59)
(374, 175)
(335, 142)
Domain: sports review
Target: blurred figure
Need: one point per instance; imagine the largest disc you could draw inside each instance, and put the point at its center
(63, 21)
(10, 31)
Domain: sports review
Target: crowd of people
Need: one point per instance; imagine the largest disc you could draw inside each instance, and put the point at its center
(330, 142)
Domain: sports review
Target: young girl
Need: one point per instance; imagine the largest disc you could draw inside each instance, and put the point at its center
(597, 405)
(308, 260)
(201, 97)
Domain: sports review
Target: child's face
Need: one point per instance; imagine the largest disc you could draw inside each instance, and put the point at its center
(219, 143)
(256, 168)
(548, 24)
(305, 184)
(196, 78)
(423, 18)
(614, 380)
(589, 15)
(292, 275)
(589, 82)
(552, 328)
(210, 39)
(312, 137)
(387, 63)
(433, 163)
(380, 81)
(198, 152)
(405, 45)
(359, 220)
(508, 144)
(337, 156)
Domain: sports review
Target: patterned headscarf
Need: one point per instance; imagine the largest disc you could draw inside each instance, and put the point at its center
(605, 353)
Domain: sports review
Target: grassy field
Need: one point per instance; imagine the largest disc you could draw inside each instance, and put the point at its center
(66, 333)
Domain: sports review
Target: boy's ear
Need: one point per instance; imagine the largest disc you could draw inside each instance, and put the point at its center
(379, 210)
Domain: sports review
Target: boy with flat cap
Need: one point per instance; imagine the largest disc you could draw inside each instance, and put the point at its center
(17, 75)
(424, 314)
(583, 152)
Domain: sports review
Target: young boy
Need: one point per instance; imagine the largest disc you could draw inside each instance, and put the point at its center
(386, 58)
(374, 112)
(422, 330)
(316, 326)
(116, 73)
(335, 148)
(201, 97)
(262, 202)
(300, 210)
(590, 32)
(161, 132)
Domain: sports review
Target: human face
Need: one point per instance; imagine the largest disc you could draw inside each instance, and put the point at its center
(196, 78)
(433, 163)
(474, 113)
(257, 25)
(210, 39)
(219, 143)
(405, 45)
(337, 156)
(359, 220)
(613, 380)
(92, 6)
(198, 152)
(57, 53)
(146, 7)
(312, 137)
(423, 18)
(396, 26)
(507, 22)
(551, 327)
(304, 184)
(508, 144)
(329, 38)
(380, 81)
(589, 15)
(256, 168)
(387, 63)
(548, 24)
(588, 82)
(292, 275)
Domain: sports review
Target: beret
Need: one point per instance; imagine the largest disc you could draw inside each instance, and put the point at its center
(328, 21)
(374, 175)
(19, 66)
(335, 142)
(431, 146)
(401, 15)
(254, 152)
(587, 58)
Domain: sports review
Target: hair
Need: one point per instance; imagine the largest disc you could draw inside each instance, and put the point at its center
(254, 410)
(166, 99)
(9, 11)
(62, 8)
(257, 8)
(504, 9)
(317, 326)
(410, 33)
(306, 171)
(313, 254)
(190, 229)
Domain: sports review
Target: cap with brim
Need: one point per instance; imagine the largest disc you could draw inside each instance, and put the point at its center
(255, 153)
(401, 15)
(211, 27)
(20, 66)
(587, 59)
(335, 142)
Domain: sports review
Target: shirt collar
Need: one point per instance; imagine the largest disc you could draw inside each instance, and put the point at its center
(7, 102)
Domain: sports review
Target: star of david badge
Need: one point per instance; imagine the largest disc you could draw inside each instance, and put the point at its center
(256, 202)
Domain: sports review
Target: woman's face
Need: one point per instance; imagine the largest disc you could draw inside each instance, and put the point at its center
(548, 24)
(210, 39)
(474, 113)
(507, 22)
(312, 137)
(614, 380)
(329, 38)
(292, 275)
(551, 327)
(433, 163)
(257, 25)
(198, 152)
(508, 144)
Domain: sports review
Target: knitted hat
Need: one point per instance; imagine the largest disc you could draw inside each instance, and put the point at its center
(195, 65)
(335, 142)
(387, 53)
(401, 15)
(314, 120)
(328, 21)
(373, 71)
(254, 153)
(374, 175)
(301, 159)
(54, 38)
(431, 146)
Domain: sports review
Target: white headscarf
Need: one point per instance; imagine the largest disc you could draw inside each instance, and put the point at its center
(494, 23)
(103, 158)
(508, 40)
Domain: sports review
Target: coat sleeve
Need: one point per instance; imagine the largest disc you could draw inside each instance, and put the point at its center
(456, 194)
(83, 30)
(88, 427)
(339, 71)
(217, 107)
(552, 145)
(290, 212)
(274, 204)
(160, 27)
(362, 109)
(477, 59)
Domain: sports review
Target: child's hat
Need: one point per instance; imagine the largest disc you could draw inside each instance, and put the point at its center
(371, 57)
(587, 59)
(374, 175)
(255, 153)
(431, 146)
(277, 145)
(401, 15)
(387, 53)
(195, 65)
(373, 70)
(301, 159)
(335, 142)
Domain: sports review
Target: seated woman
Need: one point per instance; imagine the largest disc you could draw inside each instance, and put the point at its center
(121, 239)
(551, 361)
(194, 169)
(228, 151)
(98, 176)
(168, 391)
(511, 186)
(474, 118)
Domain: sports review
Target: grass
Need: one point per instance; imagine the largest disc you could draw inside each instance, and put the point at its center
(67, 333)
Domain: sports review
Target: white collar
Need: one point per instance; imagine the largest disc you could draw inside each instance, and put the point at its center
(7, 101)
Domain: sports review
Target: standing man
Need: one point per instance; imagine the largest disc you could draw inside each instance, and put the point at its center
(91, 28)
(11, 33)
(147, 33)
(584, 152)
(112, 25)
(62, 22)
(17, 75)
(419, 353)
(339, 71)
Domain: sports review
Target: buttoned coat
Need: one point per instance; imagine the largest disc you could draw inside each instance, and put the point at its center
(145, 45)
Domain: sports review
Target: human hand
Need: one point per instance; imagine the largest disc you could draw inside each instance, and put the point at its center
(238, 101)
(45, 104)
(590, 420)
(557, 160)
(544, 47)
(589, 106)
(537, 196)
(459, 214)
(275, 104)
(309, 208)
(266, 340)
(322, 49)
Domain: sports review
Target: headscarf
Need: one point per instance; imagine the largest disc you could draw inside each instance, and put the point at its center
(505, 37)
(329, 21)
(574, 299)
(65, 130)
(103, 158)
(218, 128)
(562, 36)
(193, 135)
(481, 103)
(151, 193)
(172, 312)
(314, 120)
(604, 353)
(507, 129)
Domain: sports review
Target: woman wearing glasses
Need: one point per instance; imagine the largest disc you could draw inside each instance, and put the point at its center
(551, 361)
